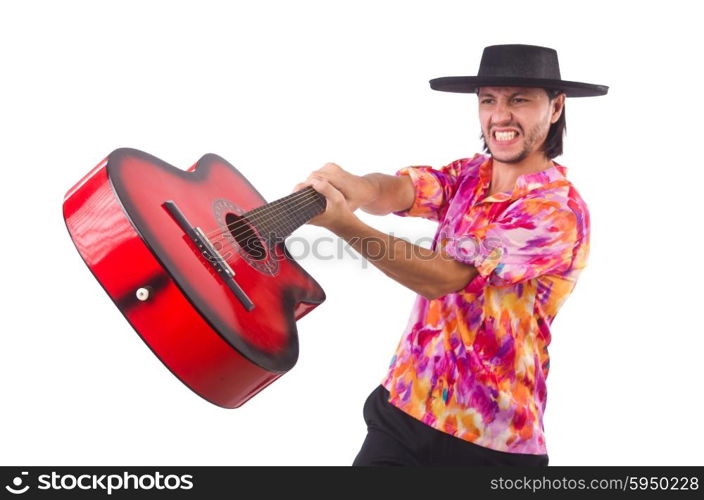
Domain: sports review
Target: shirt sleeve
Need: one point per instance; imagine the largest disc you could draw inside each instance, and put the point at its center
(533, 238)
(434, 188)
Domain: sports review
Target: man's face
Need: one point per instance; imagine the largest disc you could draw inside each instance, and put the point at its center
(515, 120)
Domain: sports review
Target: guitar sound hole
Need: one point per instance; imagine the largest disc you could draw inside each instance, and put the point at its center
(246, 236)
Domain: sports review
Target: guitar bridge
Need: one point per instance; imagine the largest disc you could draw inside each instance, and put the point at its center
(211, 254)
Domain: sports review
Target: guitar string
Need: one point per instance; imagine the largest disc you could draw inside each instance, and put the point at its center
(265, 216)
(300, 202)
(271, 212)
(261, 216)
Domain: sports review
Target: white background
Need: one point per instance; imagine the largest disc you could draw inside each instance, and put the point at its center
(280, 88)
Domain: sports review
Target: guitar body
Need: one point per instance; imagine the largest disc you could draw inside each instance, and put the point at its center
(163, 284)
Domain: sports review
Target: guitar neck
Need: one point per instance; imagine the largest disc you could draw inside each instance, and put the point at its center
(281, 217)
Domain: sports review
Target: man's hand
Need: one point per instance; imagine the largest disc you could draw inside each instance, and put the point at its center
(357, 191)
(337, 213)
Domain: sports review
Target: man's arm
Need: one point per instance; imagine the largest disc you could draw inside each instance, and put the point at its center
(391, 193)
(429, 273)
(376, 193)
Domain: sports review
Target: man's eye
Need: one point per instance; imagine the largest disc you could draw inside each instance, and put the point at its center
(486, 101)
(520, 99)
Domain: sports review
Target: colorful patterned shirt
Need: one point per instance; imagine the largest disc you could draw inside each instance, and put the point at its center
(473, 363)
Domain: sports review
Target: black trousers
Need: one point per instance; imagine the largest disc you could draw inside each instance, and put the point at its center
(396, 438)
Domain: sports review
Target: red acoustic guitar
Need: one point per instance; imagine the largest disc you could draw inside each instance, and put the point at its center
(195, 260)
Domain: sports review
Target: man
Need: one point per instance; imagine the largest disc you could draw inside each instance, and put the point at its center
(466, 385)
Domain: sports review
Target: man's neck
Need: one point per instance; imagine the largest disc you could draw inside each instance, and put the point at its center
(504, 175)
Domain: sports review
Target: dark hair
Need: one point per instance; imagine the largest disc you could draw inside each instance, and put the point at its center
(553, 142)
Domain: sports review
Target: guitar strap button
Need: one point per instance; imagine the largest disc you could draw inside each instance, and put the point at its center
(143, 293)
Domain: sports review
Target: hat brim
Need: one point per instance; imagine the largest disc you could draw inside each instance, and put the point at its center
(470, 84)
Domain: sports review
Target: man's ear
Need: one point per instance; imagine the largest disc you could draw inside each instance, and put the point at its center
(558, 104)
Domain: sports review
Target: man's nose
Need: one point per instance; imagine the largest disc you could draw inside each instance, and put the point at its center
(502, 113)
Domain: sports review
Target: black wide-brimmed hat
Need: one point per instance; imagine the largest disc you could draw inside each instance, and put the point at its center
(517, 66)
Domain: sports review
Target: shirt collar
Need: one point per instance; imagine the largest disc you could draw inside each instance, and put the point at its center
(524, 182)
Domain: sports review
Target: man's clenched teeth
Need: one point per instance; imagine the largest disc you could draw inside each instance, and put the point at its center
(505, 136)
